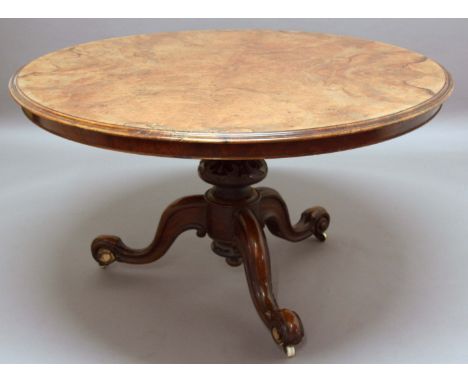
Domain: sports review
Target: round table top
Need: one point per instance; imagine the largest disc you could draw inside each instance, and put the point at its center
(231, 94)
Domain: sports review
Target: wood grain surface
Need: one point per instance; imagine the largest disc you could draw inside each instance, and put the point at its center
(200, 89)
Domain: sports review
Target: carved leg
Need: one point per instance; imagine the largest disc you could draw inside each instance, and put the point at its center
(284, 325)
(183, 214)
(233, 214)
(274, 212)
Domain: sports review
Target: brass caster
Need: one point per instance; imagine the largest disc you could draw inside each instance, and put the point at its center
(290, 351)
(106, 257)
(322, 236)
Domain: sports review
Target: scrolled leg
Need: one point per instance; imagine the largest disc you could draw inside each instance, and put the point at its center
(285, 325)
(313, 221)
(184, 214)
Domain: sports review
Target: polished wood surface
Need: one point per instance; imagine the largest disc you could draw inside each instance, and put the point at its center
(231, 94)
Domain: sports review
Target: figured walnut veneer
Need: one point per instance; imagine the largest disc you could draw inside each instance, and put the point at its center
(231, 94)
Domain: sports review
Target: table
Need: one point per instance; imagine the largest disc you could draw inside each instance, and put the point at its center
(231, 98)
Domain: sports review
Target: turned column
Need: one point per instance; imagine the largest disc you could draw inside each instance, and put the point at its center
(232, 191)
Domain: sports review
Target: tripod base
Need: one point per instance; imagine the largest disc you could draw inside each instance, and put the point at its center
(233, 214)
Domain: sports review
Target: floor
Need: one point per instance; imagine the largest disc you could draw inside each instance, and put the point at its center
(389, 285)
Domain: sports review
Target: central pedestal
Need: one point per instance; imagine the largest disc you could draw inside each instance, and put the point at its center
(233, 214)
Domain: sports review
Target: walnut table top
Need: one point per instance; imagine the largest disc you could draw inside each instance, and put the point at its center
(231, 94)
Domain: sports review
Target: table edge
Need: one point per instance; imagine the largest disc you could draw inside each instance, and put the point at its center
(234, 151)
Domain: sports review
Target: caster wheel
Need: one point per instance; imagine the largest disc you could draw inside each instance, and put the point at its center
(290, 351)
(105, 257)
(322, 236)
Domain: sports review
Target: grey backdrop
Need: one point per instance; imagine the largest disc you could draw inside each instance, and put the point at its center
(390, 284)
